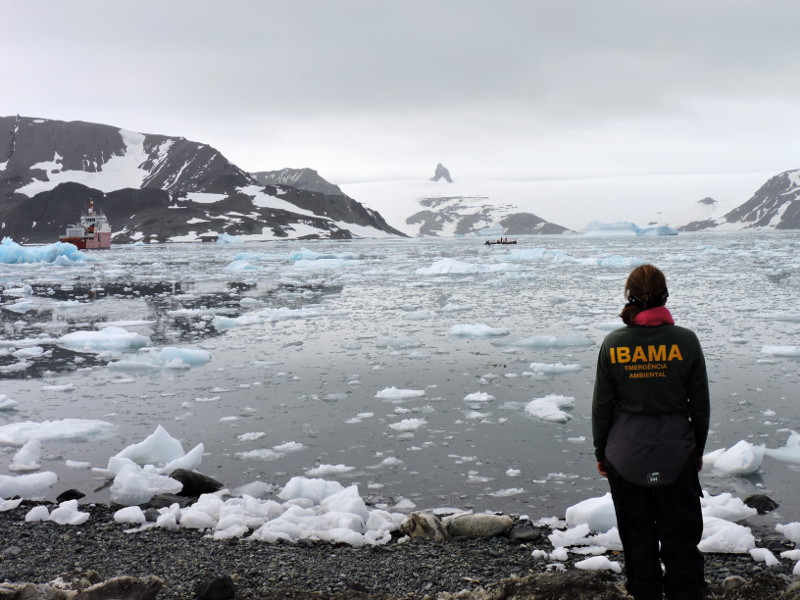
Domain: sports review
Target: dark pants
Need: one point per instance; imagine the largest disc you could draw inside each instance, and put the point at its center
(662, 524)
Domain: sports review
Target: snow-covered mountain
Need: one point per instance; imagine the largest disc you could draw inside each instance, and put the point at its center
(302, 179)
(775, 205)
(154, 187)
(495, 207)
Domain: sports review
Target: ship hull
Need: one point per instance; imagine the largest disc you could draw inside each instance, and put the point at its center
(98, 241)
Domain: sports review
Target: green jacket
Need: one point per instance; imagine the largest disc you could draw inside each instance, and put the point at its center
(652, 370)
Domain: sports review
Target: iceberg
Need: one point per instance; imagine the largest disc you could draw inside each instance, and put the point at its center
(476, 330)
(59, 253)
(549, 408)
(596, 228)
(108, 338)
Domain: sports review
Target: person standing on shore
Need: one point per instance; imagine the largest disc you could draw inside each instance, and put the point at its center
(650, 416)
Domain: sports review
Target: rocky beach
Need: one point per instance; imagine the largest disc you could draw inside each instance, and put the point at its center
(187, 564)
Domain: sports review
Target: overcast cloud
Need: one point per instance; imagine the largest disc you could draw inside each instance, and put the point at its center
(362, 90)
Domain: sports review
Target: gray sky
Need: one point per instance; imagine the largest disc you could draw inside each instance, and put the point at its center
(362, 90)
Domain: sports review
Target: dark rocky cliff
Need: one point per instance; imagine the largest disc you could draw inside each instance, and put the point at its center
(146, 185)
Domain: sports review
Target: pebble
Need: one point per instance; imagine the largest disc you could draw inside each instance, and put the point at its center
(185, 559)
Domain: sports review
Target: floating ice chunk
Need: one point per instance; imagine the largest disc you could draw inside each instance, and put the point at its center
(64, 387)
(162, 450)
(323, 470)
(474, 414)
(313, 266)
(227, 238)
(7, 403)
(598, 228)
(347, 502)
(609, 325)
(12, 253)
(408, 425)
(28, 458)
(451, 266)
(550, 341)
(67, 513)
(790, 452)
(554, 369)
(167, 357)
(306, 254)
(77, 464)
(191, 356)
(288, 447)
(264, 454)
(720, 535)
(656, 230)
(136, 485)
(312, 489)
(507, 492)
(479, 397)
(271, 315)
(65, 430)
(20, 307)
(255, 489)
(779, 316)
(725, 506)
(108, 338)
(28, 353)
(393, 393)
(765, 556)
(549, 408)
(452, 308)
(790, 351)
(239, 266)
(791, 531)
(139, 469)
(417, 315)
(398, 343)
(597, 513)
(598, 563)
(742, 458)
(189, 461)
(33, 486)
(476, 330)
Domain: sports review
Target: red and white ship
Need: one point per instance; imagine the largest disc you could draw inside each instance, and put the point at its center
(93, 231)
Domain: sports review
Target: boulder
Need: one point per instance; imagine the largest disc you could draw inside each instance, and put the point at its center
(762, 503)
(195, 484)
(216, 588)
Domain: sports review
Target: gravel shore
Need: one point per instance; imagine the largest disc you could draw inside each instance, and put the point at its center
(39, 552)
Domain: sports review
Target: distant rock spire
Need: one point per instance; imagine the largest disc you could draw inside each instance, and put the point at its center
(442, 172)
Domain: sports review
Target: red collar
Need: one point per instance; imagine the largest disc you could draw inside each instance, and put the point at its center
(654, 316)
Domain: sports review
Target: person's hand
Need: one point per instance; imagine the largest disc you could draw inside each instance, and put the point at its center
(601, 468)
(699, 463)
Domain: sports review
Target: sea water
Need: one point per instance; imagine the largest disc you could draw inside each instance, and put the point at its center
(407, 366)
